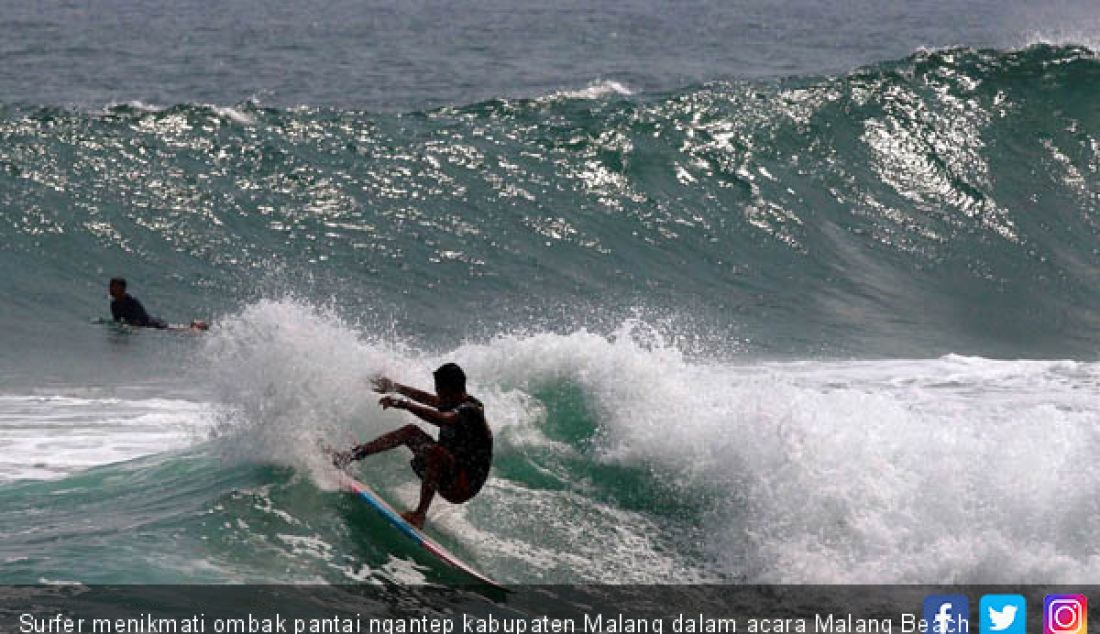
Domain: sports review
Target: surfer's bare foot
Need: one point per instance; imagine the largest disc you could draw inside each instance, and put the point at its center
(341, 459)
(414, 518)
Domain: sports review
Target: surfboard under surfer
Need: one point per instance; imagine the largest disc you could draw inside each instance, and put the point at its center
(125, 308)
(457, 464)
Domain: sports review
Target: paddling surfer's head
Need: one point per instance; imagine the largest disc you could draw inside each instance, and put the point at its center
(117, 288)
(450, 383)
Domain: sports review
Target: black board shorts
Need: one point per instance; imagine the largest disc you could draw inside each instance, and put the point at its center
(454, 484)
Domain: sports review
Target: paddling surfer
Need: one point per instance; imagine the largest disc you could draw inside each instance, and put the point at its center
(457, 464)
(125, 308)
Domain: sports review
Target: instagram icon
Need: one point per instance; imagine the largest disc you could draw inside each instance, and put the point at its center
(1065, 614)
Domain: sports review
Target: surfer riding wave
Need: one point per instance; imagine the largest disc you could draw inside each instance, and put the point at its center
(457, 464)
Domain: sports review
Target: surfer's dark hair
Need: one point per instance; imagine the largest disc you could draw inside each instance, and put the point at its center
(450, 377)
(121, 281)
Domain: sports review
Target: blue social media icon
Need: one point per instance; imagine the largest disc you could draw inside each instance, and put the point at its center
(947, 614)
(1003, 614)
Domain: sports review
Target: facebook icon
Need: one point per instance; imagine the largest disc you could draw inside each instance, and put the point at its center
(947, 614)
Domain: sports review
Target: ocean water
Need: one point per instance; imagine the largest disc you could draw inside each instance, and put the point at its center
(753, 292)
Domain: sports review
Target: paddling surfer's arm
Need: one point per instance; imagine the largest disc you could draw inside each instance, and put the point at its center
(426, 414)
(384, 385)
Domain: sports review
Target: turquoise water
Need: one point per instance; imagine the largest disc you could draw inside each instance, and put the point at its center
(941, 203)
(796, 322)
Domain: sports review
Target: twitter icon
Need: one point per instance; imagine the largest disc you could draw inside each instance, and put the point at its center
(1003, 614)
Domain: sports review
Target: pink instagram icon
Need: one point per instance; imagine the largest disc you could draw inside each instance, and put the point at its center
(1065, 614)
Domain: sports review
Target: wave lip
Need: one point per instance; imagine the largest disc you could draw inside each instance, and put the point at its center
(1064, 39)
(599, 89)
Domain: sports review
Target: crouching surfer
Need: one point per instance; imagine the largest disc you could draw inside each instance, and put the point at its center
(457, 464)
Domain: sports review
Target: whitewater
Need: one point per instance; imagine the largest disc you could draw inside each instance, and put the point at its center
(640, 463)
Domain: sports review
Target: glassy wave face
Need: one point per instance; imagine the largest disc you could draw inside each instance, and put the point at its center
(944, 203)
(813, 329)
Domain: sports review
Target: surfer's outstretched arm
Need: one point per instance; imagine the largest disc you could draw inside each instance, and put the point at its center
(426, 414)
(384, 385)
